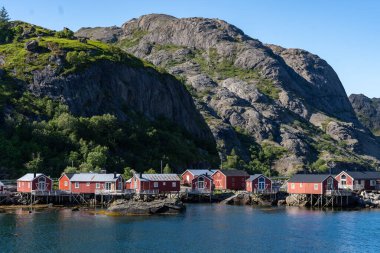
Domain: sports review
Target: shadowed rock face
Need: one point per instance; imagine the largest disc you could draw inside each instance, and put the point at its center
(111, 88)
(247, 90)
(367, 110)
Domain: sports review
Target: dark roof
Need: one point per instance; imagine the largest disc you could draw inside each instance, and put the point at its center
(253, 177)
(69, 175)
(308, 178)
(204, 175)
(234, 172)
(364, 174)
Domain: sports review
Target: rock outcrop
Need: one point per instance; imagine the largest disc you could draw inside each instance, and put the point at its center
(129, 207)
(251, 92)
(367, 110)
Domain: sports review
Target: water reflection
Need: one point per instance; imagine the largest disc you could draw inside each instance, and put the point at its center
(203, 228)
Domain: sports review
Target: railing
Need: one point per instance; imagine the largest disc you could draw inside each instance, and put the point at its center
(103, 191)
(338, 193)
(266, 191)
(148, 192)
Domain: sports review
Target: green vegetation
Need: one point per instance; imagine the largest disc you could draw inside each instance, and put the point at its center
(167, 169)
(6, 34)
(150, 171)
(134, 40)
(127, 173)
(222, 68)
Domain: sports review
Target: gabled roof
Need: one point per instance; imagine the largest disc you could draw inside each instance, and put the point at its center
(204, 175)
(129, 180)
(233, 172)
(158, 177)
(94, 177)
(30, 177)
(253, 177)
(200, 172)
(364, 174)
(308, 178)
(68, 175)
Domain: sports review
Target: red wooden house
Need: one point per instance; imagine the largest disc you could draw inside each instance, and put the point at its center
(230, 179)
(258, 183)
(359, 180)
(202, 183)
(311, 184)
(91, 183)
(34, 182)
(188, 175)
(154, 183)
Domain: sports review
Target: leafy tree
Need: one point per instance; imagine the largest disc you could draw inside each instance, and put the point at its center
(97, 158)
(70, 169)
(5, 31)
(167, 169)
(35, 165)
(233, 161)
(65, 33)
(127, 173)
(150, 171)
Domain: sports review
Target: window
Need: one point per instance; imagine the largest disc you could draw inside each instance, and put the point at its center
(359, 181)
(65, 183)
(372, 182)
(343, 180)
(200, 183)
(187, 178)
(76, 184)
(155, 184)
(301, 185)
(330, 184)
(19, 184)
(292, 186)
(164, 183)
(261, 183)
(174, 184)
(97, 185)
(88, 184)
(315, 186)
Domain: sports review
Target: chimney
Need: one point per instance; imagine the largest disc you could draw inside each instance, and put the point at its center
(114, 175)
(35, 174)
(140, 175)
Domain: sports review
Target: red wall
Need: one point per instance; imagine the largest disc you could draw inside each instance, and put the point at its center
(61, 183)
(184, 178)
(219, 180)
(349, 181)
(22, 186)
(163, 186)
(208, 183)
(251, 185)
(223, 182)
(90, 189)
(308, 188)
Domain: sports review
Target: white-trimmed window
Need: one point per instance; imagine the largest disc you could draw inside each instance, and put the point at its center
(77, 185)
(292, 186)
(65, 183)
(372, 182)
(88, 184)
(155, 184)
(163, 183)
(19, 184)
(174, 184)
(301, 185)
(97, 185)
(315, 186)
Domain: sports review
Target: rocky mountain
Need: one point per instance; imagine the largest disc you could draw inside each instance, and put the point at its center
(81, 104)
(286, 105)
(367, 110)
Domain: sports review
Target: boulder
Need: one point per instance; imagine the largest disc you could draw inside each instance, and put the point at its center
(125, 207)
(31, 45)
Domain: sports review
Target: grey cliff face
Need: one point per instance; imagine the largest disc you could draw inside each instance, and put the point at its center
(111, 88)
(281, 97)
(367, 110)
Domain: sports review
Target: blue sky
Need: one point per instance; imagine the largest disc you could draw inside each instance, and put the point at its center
(346, 33)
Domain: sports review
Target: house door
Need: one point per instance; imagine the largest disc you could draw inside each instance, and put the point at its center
(330, 184)
(201, 183)
(41, 184)
(261, 183)
(108, 186)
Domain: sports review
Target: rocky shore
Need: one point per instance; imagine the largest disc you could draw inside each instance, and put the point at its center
(130, 207)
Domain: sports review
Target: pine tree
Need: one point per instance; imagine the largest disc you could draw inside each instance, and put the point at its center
(4, 16)
(167, 169)
(5, 31)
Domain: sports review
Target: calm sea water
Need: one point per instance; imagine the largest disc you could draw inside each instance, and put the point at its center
(202, 228)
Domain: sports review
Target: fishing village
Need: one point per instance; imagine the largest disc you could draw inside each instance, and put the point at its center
(147, 194)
